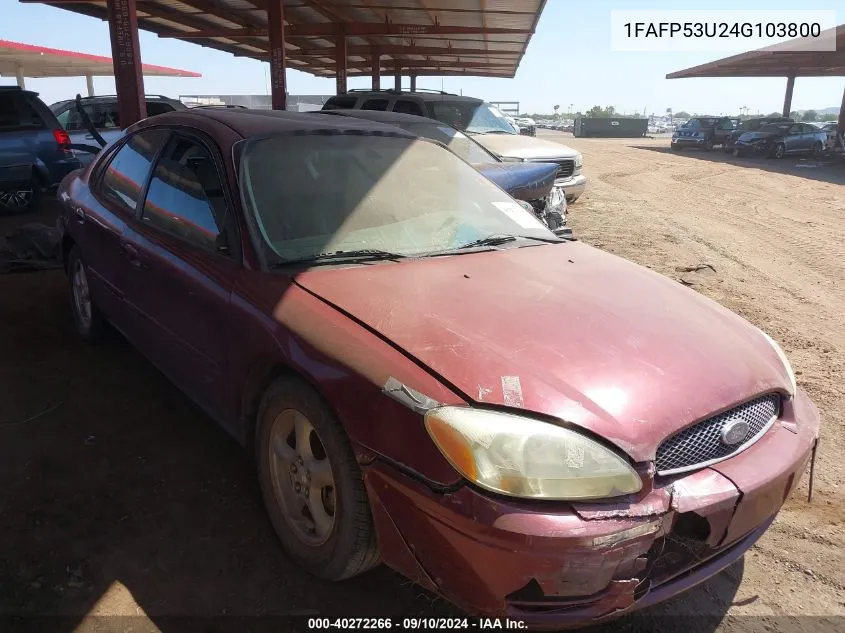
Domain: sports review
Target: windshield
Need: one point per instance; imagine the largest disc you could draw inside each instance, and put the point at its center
(472, 116)
(700, 123)
(457, 142)
(315, 194)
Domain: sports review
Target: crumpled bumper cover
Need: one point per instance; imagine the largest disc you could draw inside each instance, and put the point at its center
(556, 564)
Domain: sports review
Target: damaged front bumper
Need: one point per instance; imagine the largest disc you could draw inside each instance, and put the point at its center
(554, 564)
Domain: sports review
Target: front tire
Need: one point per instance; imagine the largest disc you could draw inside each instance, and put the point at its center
(87, 318)
(779, 151)
(818, 149)
(311, 483)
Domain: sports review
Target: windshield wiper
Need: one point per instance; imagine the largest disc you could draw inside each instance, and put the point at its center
(495, 240)
(362, 254)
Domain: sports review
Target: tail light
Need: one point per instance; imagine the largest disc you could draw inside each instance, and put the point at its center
(62, 139)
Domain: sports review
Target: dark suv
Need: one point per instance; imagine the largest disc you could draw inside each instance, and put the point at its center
(752, 125)
(703, 132)
(35, 151)
(104, 114)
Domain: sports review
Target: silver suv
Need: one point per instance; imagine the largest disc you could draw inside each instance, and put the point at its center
(483, 121)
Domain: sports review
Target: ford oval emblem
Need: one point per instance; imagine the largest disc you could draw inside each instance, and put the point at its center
(734, 432)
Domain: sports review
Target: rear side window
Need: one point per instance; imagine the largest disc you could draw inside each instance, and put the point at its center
(128, 170)
(407, 107)
(158, 107)
(340, 103)
(375, 104)
(186, 196)
(16, 113)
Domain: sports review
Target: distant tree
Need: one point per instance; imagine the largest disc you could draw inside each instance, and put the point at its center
(810, 115)
(795, 114)
(773, 115)
(829, 117)
(682, 114)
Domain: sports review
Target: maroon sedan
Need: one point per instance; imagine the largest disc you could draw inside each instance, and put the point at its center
(427, 376)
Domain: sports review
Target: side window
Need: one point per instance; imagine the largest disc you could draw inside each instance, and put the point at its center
(407, 107)
(727, 124)
(375, 104)
(128, 170)
(158, 107)
(340, 103)
(186, 196)
(64, 118)
(795, 129)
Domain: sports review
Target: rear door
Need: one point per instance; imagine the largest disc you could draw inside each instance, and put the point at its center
(184, 251)
(19, 130)
(117, 185)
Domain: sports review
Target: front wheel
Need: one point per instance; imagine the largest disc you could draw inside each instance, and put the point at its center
(779, 151)
(818, 149)
(708, 145)
(312, 486)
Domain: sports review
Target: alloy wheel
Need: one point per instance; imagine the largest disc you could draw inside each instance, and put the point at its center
(81, 294)
(16, 198)
(302, 476)
(780, 150)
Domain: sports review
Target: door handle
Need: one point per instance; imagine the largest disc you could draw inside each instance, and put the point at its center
(132, 254)
(90, 137)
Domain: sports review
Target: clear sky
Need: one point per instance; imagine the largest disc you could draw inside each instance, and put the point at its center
(569, 61)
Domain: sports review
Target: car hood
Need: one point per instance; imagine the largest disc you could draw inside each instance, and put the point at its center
(519, 146)
(523, 181)
(753, 136)
(565, 331)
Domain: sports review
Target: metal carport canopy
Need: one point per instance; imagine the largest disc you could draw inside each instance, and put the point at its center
(425, 37)
(26, 60)
(786, 59)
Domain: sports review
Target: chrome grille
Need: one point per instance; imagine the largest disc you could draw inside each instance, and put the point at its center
(565, 168)
(701, 443)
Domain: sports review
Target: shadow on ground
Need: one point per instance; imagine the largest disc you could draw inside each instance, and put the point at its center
(118, 492)
(826, 169)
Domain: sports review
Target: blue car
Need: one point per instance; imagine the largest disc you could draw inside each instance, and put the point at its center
(35, 151)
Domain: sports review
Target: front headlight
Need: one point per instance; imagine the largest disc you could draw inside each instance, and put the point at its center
(512, 159)
(522, 457)
(783, 359)
(556, 201)
(579, 161)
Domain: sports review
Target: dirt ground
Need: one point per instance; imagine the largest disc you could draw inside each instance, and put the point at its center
(125, 508)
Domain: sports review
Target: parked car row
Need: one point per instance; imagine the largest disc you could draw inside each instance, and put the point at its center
(775, 137)
(425, 374)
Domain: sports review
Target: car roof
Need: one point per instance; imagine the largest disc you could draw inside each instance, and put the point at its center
(248, 123)
(382, 116)
(422, 96)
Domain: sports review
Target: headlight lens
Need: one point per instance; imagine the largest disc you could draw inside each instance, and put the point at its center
(527, 458)
(556, 201)
(783, 359)
(579, 161)
(512, 159)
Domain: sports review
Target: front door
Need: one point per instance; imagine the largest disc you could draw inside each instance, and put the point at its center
(185, 260)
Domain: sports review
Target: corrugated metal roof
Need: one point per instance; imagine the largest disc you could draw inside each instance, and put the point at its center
(422, 37)
(780, 60)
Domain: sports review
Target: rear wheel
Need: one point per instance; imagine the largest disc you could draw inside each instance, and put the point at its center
(708, 145)
(312, 485)
(779, 150)
(87, 318)
(818, 149)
